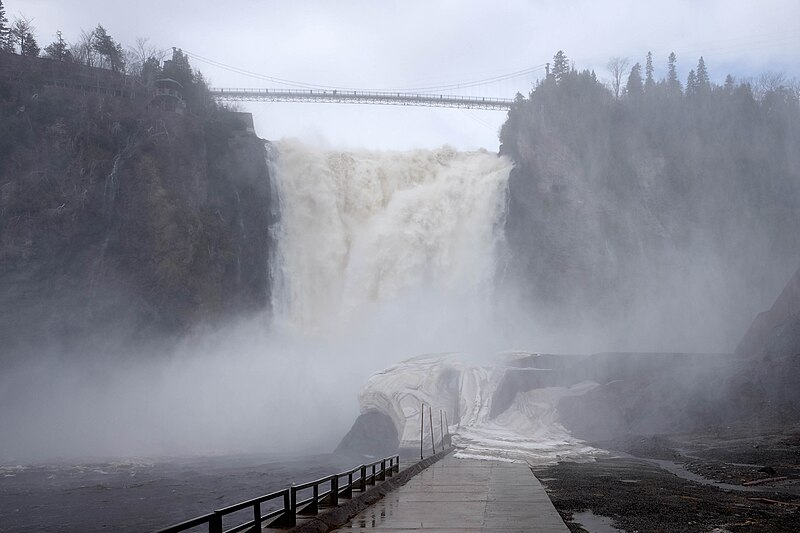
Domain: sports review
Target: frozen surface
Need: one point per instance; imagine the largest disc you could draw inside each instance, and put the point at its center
(462, 388)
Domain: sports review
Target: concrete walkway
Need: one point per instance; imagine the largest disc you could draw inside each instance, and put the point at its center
(465, 495)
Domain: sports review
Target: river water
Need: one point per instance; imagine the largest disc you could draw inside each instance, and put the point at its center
(136, 495)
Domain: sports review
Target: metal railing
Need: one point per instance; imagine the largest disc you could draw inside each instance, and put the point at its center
(357, 478)
(445, 440)
(362, 97)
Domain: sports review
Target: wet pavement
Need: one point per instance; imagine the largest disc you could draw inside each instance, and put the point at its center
(465, 495)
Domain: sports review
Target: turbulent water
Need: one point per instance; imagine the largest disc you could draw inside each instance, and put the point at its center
(360, 229)
(406, 246)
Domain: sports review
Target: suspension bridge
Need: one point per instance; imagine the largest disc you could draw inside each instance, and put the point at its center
(450, 95)
(335, 96)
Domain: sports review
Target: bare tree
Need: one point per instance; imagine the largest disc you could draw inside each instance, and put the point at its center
(618, 66)
(768, 81)
(83, 51)
(140, 53)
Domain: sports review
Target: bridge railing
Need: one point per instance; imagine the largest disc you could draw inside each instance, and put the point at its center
(333, 488)
(334, 95)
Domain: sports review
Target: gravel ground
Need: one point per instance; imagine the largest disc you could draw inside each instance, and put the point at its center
(700, 482)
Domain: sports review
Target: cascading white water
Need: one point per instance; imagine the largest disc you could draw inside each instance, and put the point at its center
(399, 251)
(360, 229)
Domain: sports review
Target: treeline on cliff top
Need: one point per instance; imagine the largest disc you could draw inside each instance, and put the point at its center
(140, 64)
(656, 190)
(31, 102)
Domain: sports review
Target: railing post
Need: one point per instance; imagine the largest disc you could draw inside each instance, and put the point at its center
(257, 516)
(433, 440)
(348, 492)
(421, 426)
(215, 523)
(382, 476)
(441, 426)
(446, 424)
(291, 517)
(335, 491)
(362, 484)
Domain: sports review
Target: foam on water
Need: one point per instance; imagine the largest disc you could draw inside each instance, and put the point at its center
(361, 229)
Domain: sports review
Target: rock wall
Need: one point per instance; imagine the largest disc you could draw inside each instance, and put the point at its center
(775, 334)
(122, 223)
(658, 224)
(772, 348)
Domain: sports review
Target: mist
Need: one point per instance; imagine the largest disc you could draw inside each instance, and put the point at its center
(408, 269)
(659, 221)
(379, 257)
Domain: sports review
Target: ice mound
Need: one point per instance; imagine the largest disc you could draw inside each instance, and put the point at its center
(463, 388)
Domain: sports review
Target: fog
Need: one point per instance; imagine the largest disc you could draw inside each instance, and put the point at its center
(382, 256)
(244, 388)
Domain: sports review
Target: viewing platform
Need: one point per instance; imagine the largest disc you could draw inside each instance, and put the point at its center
(465, 495)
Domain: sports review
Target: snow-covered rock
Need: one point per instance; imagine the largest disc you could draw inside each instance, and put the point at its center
(462, 388)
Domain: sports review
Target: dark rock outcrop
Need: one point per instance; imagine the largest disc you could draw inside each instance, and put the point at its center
(775, 334)
(663, 393)
(373, 435)
(772, 348)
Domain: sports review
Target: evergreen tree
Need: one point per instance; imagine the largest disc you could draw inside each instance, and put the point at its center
(6, 42)
(649, 83)
(179, 68)
(691, 83)
(703, 83)
(106, 46)
(634, 87)
(560, 65)
(22, 35)
(151, 70)
(673, 83)
(31, 47)
(58, 49)
(729, 84)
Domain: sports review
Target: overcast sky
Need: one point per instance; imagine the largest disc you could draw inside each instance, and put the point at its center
(388, 44)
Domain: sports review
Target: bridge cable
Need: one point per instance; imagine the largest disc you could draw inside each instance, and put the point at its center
(304, 85)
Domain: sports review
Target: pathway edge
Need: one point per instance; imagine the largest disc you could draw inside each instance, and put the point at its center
(331, 519)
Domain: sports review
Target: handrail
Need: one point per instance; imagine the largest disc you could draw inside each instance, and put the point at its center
(376, 97)
(336, 486)
(286, 516)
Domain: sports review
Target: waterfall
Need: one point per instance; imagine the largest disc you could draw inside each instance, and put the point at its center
(362, 229)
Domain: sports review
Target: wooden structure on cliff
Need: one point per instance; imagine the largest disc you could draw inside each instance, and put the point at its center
(45, 71)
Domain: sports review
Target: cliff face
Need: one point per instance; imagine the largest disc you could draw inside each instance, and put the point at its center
(667, 220)
(771, 348)
(119, 221)
(775, 333)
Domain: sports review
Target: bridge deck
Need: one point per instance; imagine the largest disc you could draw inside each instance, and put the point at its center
(361, 97)
(463, 496)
